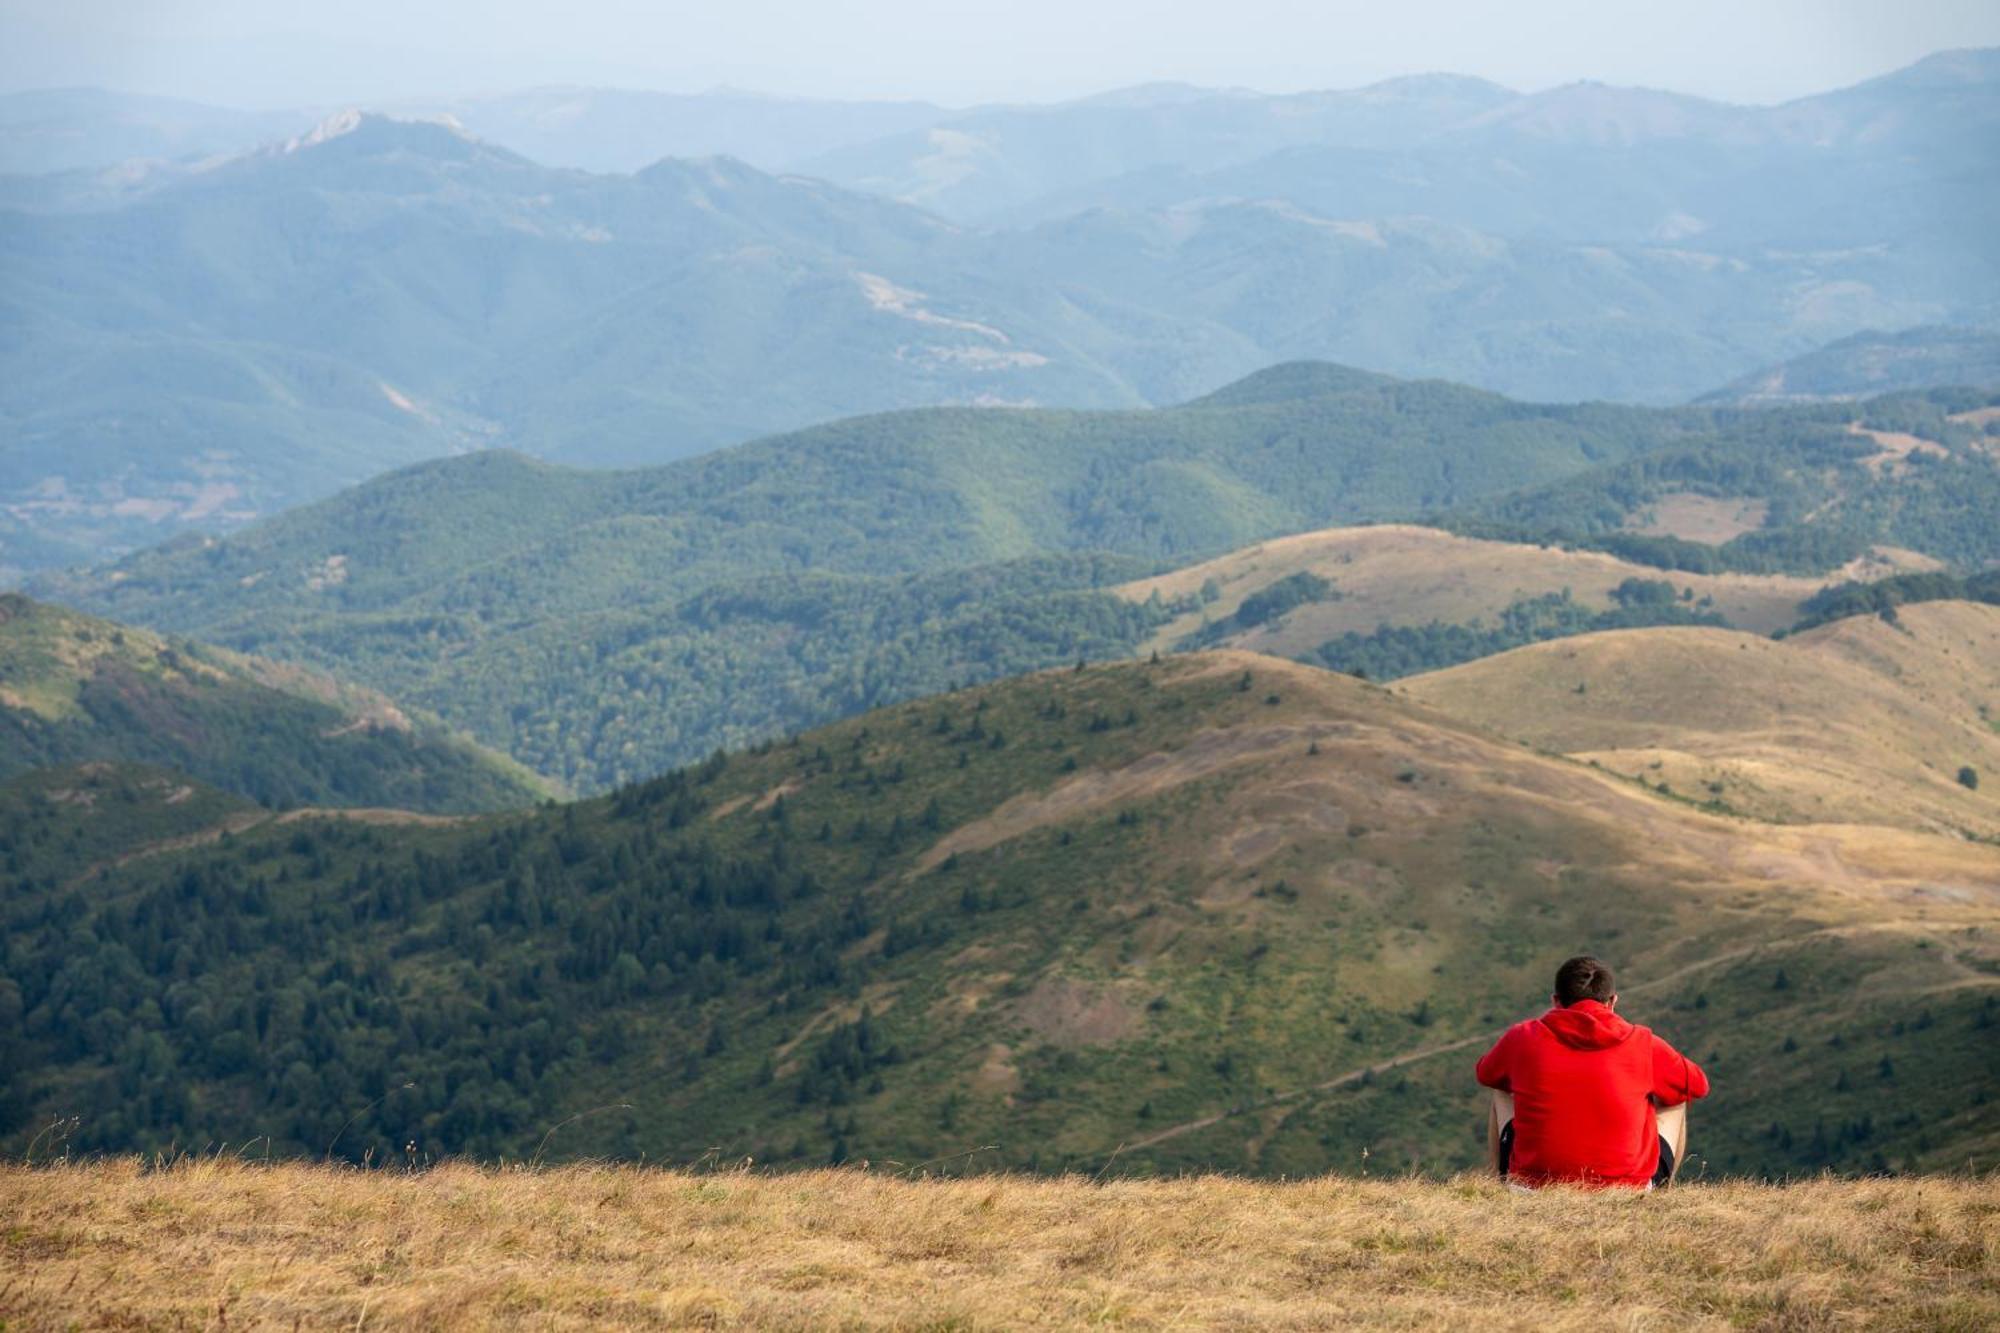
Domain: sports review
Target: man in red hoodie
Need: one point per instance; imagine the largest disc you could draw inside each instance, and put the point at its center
(1585, 1085)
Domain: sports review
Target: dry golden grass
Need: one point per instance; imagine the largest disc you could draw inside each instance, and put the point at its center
(1396, 574)
(1399, 574)
(1856, 722)
(218, 1244)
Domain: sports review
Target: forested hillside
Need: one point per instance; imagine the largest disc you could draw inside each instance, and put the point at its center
(601, 626)
(75, 689)
(1220, 910)
(1913, 470)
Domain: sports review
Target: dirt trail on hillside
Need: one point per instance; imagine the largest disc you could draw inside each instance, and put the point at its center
(1288, 1102)
(246, 820)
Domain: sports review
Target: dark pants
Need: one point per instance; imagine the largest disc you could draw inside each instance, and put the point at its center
(1661, 1174)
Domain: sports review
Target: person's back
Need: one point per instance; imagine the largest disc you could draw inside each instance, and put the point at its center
(1585, 1084)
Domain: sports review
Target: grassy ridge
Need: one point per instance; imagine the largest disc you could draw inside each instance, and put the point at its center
(1857, 721)
(112, 1244)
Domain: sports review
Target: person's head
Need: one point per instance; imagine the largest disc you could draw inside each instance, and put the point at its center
(1584, 978)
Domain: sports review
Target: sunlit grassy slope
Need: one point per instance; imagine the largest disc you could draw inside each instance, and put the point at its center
(1397, 574)
(1859, 721)
(223, 1245)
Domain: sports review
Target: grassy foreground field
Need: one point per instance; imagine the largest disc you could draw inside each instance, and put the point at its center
(218, 1244)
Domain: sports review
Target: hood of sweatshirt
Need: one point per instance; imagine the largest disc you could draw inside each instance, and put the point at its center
(1587, 1026)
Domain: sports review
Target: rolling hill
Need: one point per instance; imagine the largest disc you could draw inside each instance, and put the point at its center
(600, 626)
(1872, 363)
(1860, 721)
(1220, 910)
(78, 690)
(1402, 575)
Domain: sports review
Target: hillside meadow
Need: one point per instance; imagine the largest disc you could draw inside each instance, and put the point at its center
(219, 1243)
(1861, 721)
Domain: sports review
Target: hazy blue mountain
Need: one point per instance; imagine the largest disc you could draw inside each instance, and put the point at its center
(1044, 161)
(235, 339)
(614, 129)
(195, 343)
(597, 129)
(1870, 363)
(1415, 296)
(994, 161)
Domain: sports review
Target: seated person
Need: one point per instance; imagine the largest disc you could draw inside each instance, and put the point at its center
(1585, 1085)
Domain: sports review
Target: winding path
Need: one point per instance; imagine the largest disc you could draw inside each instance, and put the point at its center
(1300, 1096)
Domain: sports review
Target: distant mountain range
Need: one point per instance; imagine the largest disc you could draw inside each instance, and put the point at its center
(200, 341)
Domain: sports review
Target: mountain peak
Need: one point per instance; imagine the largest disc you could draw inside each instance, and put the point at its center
(1440, 84)
(1291, 381)
(1145, 96)
(371, 132)
(1946, 69)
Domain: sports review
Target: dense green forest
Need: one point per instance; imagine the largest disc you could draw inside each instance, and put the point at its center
(778, 954)
(1404, 650)
(74, 688)
(1825, 503)
(602, 626)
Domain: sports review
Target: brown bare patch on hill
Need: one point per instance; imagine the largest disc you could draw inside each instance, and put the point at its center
(1698, 518)
(1065, 1011)
(1895, 448)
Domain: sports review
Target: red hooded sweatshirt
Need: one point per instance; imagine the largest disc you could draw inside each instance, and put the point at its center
(1581, 1077)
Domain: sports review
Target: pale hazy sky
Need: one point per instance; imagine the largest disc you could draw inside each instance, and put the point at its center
(280, 53)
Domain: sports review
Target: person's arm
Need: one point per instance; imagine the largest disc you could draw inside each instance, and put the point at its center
(1494, 1067)
(1676, 1078)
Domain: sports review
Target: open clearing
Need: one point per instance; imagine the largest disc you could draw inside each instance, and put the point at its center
(219, 1244)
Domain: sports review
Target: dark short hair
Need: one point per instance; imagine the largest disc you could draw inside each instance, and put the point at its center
(1584, 978)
